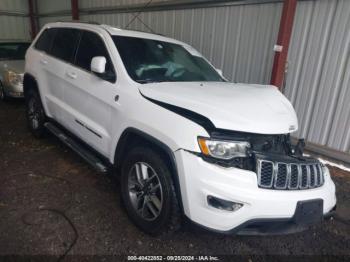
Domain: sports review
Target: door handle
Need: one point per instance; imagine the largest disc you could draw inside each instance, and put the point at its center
(72, 75)
(43, 61)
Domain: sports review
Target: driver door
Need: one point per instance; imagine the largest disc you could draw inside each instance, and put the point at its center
(90, 98)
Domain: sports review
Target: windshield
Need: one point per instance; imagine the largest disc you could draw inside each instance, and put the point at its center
(149, 60)
(13, 51)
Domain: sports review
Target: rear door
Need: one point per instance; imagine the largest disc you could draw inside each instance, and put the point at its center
(89, 97)
(53, 63)
(44, 69)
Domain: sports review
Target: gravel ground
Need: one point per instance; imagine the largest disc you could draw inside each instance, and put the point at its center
(80, 210)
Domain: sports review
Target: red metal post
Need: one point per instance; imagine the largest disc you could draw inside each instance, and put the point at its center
(281, 49)
(75, 9)
(33, 25)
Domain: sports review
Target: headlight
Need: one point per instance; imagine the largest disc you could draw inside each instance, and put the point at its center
(223, 149)
(14, 78)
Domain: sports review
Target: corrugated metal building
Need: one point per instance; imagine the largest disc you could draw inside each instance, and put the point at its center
(13, 20)
(238, 36)
(319, 72)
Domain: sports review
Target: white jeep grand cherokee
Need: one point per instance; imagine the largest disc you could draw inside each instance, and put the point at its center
(183, 140)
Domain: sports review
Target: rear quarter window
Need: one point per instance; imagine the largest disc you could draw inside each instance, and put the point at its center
(45, 40)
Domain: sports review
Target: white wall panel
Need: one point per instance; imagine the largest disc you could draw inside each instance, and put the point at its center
(14, 6)
(319, 70)
(49, 6)
(14, 27)
(51, 19)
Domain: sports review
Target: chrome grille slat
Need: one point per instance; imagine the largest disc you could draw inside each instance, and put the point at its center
(308, 175)
(288, 175)
(315, 175)
(313, 178)
(291, 176)
(299, 177)
(320, 175)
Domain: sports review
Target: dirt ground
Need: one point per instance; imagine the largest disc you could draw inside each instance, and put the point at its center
(51, 202)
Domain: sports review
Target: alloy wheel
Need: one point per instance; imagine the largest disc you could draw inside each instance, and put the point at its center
(145, 191)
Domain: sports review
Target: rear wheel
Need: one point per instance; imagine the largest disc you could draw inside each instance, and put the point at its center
(148, 192)
(35, 113)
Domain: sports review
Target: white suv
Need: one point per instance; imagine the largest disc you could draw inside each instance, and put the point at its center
(183, 141)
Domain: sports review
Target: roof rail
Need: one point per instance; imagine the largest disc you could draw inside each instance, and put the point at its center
(143, 31)
(81, 22)
(104, 26)
(110, 26)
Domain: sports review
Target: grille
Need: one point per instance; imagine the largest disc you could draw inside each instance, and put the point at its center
(277, 175)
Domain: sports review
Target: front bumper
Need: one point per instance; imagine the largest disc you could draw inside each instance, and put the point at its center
(276, 226)
(199, 179)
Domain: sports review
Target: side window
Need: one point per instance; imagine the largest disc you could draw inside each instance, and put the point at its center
(65, 44)
(45, 40)
(92, 45)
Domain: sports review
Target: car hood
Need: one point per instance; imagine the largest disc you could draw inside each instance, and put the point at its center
(15, 65)
(249, 108)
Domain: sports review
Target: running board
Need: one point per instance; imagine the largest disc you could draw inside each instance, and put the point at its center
(88, 156)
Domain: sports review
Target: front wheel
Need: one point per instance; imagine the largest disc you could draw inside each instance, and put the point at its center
(148, 192)
(35, 114)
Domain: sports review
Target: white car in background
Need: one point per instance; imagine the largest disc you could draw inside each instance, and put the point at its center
(12, 68)
(182, 140)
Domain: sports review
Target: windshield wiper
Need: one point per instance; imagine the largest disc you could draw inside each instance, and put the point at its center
(148, 81)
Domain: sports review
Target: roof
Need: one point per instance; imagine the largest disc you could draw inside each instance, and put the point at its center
(115, 31)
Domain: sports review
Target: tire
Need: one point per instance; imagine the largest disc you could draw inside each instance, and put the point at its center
(35, 114)
(155, 217)
(3, 96)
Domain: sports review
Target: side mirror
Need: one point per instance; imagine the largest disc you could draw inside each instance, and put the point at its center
(219, 71)
(98, 64)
